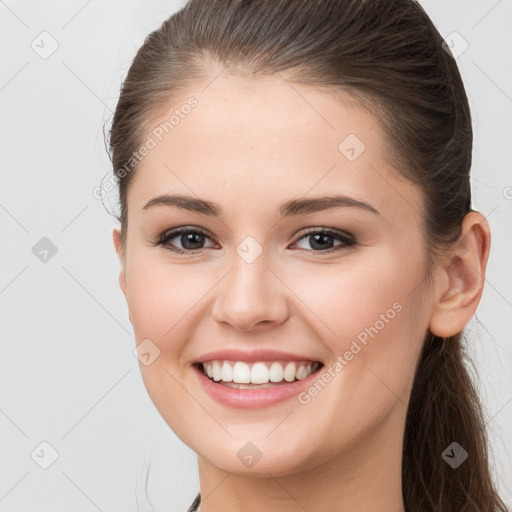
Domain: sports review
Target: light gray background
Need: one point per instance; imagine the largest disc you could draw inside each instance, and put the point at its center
(67, 372)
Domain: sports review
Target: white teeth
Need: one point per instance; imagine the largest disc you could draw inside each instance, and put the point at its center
(276, 372)
(290, 372)
(227, 372)
(241, 373)
(302, 372)
(260, 372)
(217, 372)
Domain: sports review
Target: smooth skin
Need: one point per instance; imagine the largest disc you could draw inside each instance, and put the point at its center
(250, 146)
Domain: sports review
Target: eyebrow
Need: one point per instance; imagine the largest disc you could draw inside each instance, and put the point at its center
(289, 208)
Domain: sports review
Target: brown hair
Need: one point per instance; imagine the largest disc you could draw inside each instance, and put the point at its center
(388, 55)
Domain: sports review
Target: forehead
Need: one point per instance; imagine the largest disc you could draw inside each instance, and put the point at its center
(268, 139)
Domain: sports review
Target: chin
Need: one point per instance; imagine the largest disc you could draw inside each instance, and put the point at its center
(259, 459)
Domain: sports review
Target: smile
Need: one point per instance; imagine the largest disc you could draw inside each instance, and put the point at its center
(255, 384)
(257, 373)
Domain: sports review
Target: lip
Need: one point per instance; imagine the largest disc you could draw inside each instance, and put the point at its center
(252, 398)
(253, 356)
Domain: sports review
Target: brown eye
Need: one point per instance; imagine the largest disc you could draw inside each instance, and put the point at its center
(322, 240)
(191, 240)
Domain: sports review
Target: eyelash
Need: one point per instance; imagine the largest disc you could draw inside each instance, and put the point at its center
(163, 239)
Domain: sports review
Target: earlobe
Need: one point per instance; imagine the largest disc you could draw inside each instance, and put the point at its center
(460, 282)
(116, 236)
(122, 280)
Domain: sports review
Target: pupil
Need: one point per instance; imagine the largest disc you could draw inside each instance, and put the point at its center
(189, 237)
(318, 236)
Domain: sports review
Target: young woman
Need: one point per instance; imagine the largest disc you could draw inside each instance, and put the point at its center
(300, 256)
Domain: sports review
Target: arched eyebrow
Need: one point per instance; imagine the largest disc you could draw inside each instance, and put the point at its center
(300, 206)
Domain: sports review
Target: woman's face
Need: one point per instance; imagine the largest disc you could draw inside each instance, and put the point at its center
(256, 279)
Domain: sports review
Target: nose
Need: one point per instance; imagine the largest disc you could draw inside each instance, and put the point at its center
(251, 296)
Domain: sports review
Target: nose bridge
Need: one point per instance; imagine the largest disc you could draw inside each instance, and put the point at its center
(250, 294)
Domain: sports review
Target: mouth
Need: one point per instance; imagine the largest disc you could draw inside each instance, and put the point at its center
(257, 374)
(255, 384)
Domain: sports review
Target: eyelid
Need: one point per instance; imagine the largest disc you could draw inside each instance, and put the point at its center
(182, 229)
(329, 231)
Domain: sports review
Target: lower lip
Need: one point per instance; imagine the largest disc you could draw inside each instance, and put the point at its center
(253, 398)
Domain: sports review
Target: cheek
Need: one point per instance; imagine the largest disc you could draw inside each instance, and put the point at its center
(371, 315)
(160, 298)
(166, 304)
(359, 292)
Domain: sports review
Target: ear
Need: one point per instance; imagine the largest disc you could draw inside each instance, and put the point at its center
(460, 279)
(116, 236)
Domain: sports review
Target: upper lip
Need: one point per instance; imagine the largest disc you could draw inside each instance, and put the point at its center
(252, 356)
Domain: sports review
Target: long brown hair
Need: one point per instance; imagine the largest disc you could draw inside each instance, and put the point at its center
(388, 55)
